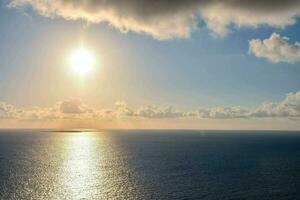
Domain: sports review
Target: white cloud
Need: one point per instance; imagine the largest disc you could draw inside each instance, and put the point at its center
(76, 109)
(275, 49)
(289, 107)
(165, 19)
(6, 110)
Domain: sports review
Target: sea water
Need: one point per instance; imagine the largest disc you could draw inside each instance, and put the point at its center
(145, 164)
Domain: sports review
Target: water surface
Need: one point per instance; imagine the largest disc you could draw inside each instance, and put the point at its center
(149, 165)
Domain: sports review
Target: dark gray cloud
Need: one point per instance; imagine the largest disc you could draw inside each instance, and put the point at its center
(165, 19)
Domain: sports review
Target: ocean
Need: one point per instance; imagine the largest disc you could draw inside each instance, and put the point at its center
(149, 164)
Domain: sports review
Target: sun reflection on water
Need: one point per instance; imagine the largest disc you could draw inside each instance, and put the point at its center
(95, 167)
(80, 165)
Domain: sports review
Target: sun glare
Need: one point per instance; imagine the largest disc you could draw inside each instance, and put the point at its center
(82, 61)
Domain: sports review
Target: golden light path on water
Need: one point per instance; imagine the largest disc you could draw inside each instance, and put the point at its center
(93, 168)
(79, 165)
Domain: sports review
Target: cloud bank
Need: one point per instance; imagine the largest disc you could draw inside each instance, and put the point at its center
(76, 109)
(275, 49)
(164, 19)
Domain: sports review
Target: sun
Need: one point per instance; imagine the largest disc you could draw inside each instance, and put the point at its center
(82, 61)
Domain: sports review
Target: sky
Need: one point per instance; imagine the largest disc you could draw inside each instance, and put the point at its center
(179, 64)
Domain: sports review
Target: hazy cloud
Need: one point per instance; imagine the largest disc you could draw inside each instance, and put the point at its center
(164, 19)
(73, 107)
(289, 107)
(158, 112)
(76, 109)
(7, 110)
(224, 112)
(275, 49)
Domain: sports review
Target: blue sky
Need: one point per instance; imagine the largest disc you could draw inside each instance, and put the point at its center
(201, 71)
